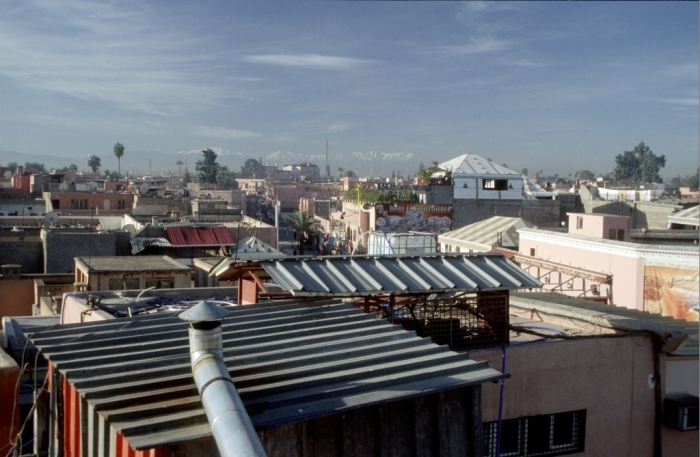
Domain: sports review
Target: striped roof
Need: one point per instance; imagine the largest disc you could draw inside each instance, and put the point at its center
(199, 236)
(355, 276)
(483, 235)
(690, 216)
(290, 362)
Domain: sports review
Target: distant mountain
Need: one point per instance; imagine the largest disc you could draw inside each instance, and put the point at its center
(135, 161)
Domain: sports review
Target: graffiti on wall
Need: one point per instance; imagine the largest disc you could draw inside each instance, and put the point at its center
(671, 291)
(402, 218)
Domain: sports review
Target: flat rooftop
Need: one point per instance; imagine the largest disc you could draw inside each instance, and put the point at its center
(131, 264)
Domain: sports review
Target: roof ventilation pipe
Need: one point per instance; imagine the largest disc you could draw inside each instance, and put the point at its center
(230, 424)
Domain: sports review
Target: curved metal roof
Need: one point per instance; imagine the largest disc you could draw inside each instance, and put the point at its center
(400, 274)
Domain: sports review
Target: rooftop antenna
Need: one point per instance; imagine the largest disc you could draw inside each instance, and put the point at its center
(374, 159)
(328, 168)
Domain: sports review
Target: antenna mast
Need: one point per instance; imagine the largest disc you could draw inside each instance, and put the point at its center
(328, 168)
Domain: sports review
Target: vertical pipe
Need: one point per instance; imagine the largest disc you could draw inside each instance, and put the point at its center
(500, 406)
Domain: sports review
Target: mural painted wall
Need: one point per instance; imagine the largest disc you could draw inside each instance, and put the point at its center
(671, 291)
(402, 218)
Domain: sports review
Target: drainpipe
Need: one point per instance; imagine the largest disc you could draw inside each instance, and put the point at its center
(230, 424)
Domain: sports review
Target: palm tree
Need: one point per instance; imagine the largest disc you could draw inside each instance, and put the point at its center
(350, 174)
(340, 172)
(301, 223)
(94, 163)
(119, 152)
(179, 166)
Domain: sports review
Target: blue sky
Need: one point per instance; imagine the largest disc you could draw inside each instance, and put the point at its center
(556, 86)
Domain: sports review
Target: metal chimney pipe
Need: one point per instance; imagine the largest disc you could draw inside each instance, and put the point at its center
(229, 421)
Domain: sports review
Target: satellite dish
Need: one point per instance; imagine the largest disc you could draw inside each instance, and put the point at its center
(51, 218)
(63, 186)
(130, 228)
(8, 174)
(138, 210)
(93, 186)
(181, 192)
(209, 195)
(314, 195)
(144, 188)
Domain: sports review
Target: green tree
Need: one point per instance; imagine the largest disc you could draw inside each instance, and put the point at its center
(350, 174)
(252, 169)
(691, 181)
(639, 164)
(94, 163)
(301, 223)
(226, 179)
(524, 171)
(119, 152)
(12, 165)
(36, 167)
(585, 175)
(72, 167)
(340, 172)
(207, 168)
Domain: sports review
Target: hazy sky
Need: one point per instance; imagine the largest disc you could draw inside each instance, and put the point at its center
(558, 86)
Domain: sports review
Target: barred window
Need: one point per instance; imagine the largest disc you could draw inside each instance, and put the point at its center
(546, 435)
(495, 184)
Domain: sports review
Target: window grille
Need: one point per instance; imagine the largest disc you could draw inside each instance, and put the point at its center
(545, 435)
(495, 184)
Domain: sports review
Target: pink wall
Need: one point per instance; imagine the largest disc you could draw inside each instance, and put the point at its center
(606, 377)
(628, 272)
(599, 225)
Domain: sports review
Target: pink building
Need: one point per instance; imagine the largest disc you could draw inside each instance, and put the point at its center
(601, 226)
(661, 279)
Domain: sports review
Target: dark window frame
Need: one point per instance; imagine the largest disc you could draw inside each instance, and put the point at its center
(544, 435)
(494, 184)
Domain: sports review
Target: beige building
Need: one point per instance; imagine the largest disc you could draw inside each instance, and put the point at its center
(128, 273)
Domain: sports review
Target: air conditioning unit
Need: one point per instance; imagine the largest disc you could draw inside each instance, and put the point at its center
(681, 412)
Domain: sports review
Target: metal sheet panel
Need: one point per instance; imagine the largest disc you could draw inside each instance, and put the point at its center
(290, 362)
(399, 274)
(199, 236)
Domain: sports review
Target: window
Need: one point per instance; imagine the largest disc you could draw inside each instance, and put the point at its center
(546, 435)
(160, 283)
(621, 235)
(532, 252)
(124, 284)
(121, 204)
(79, 204)
(579, 221)
(495, 184)
(612, 234)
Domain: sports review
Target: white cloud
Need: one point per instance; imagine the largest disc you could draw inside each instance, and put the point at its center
(683, 71)
(339, 127)
(231, 134)
(683, 101)
(315, 61)
(219, 151)
(399, 156)
(283, 155)
(106, 52)
(479, 45)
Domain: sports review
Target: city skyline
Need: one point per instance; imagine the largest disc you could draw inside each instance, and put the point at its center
(553, 86)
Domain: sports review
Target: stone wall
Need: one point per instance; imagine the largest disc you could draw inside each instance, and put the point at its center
(465, 212)
(442, 195)
(60, 247)
(28, 253)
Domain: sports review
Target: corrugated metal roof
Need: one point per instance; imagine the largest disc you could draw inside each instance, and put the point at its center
(199, 236)
(483, 235)
(690, 216)
(475, 164)
(290, 362)
(399, 274)
(669, 329)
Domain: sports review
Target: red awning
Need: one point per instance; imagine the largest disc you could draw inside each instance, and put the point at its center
(199, 236)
